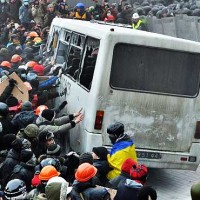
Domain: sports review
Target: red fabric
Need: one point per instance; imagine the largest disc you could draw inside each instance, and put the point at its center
(39, 69)
(35, 180)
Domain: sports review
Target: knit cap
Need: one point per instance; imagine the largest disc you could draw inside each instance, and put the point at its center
(101, 152)
(48, 114)
(31, 131)
(27, 106)
(54, 149)
(86, 158)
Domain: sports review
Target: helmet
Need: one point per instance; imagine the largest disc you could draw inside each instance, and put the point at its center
(37, 40)
(3, 109)
(40, 108)
(80, 6)
(6, 64)
(85, 172)
(50, 161)
(116, 129)
(48, 172)
(15, 189)
(139, 173)
(31, 64)
(135, 16)
(33, 34)
(16, 58)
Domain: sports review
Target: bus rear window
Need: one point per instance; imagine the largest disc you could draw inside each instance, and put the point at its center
(154, 70)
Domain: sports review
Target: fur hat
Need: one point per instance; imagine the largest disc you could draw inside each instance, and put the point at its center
(27, 106)
(54, 149)
(101, 152)
(31, 131)
(86, 158)
(48, 114)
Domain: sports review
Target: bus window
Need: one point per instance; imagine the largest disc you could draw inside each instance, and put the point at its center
(75, 53)
(63, 48)
(155, 70)
(89, 62)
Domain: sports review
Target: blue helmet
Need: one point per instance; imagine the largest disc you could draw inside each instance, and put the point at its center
(80, 6)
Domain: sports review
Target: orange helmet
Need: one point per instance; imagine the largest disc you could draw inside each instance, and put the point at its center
(28, 85)
(48, 172)
(37, 40)
(16, 58)
(6, 64)
(85, 172)
(31, 64)
(40, 108)
(33, 34)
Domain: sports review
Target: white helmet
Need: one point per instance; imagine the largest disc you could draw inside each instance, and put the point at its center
(135, 16)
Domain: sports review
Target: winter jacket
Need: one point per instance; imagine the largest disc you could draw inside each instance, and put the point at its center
(24, 172)
(38, 14)
(47, 83)
(6, 127)
(23, 119)
(12, 159)
(59, 125)
(3, 12)
(128, 190)
(114, 183)
(25, 15)
(48, 18)
(13, 10)
(123, 148)
(102, 169)
(89, 191)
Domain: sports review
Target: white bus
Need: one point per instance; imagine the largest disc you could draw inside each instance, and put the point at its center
(148, 81)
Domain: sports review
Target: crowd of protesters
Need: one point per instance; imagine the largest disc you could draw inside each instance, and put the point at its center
(32, 162)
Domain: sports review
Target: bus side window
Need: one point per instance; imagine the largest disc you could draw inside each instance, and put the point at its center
(89, 62)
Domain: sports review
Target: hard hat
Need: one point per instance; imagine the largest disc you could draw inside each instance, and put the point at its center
(28, 85)
(135, 16)
(31, 64)
(33, 34)
(16, 58)
(15, 189)
(37, 40)
(39, 109)
(48, 172)
(85, 172)
(50, 161)
(80, 6)
(6, 64)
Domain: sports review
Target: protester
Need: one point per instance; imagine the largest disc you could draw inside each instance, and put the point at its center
(123, 148)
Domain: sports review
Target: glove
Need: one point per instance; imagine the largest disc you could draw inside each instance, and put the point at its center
(62, 105)
(12, 82)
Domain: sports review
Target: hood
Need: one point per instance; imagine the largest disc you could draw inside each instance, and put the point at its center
(56, 191)
(81, 186)
(13, 154)
(133, 184)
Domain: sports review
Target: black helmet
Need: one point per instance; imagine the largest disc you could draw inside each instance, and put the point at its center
(50, 161)
(15, 189)
(3, 109)
(116, 129)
